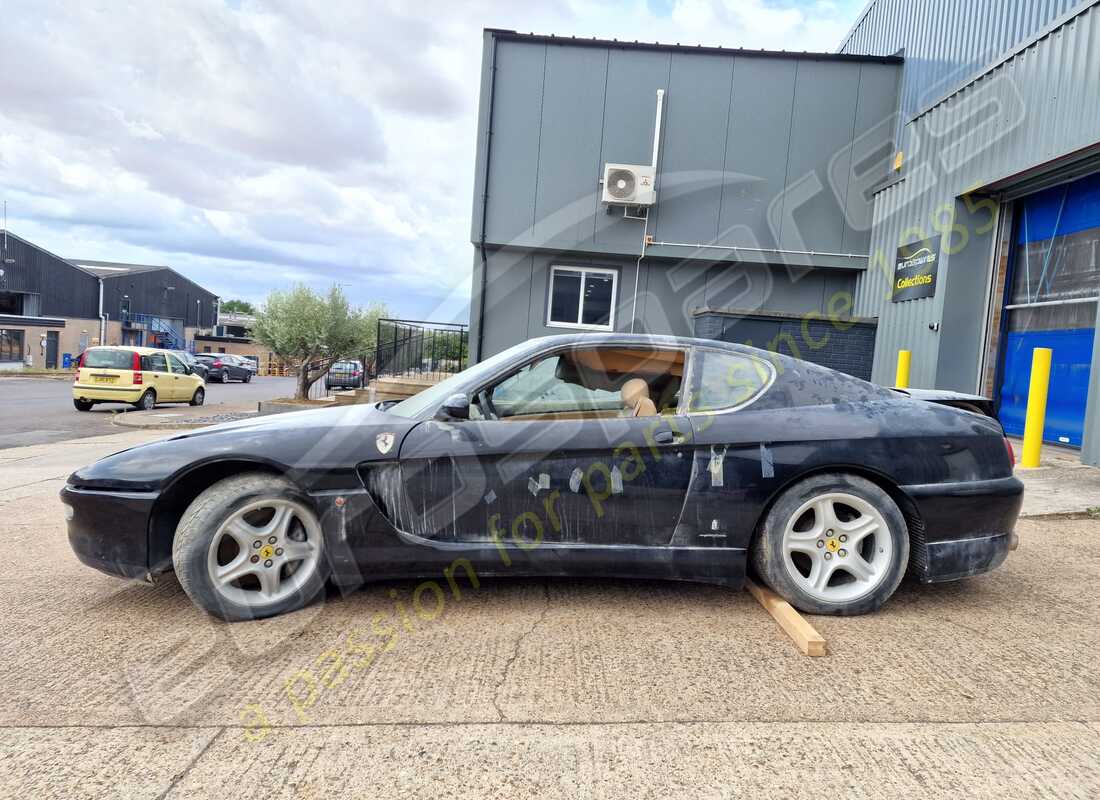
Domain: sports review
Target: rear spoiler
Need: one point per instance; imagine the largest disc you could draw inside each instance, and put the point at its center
(945, 397)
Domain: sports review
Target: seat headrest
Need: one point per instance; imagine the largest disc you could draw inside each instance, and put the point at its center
(633, 391)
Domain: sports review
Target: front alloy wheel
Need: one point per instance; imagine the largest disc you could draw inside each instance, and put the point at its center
(250, 546)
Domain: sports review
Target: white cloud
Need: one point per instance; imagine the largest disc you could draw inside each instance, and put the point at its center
(254, 144)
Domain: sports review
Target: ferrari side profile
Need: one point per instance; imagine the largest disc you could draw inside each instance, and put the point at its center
(611, 454)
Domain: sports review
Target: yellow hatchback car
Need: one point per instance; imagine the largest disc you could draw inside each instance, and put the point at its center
(141, 376)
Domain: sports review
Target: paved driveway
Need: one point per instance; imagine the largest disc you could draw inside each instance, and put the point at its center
(37, 410)
(565, 688)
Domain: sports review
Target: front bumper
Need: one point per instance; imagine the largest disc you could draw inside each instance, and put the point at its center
(110, 530)
(102, 393)
(964, 528)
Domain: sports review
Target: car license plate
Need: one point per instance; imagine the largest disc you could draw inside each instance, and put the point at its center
(104, 378)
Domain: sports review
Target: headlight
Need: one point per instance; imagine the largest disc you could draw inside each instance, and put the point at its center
(68, 512)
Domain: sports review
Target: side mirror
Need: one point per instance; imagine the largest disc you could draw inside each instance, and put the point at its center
(457, 406)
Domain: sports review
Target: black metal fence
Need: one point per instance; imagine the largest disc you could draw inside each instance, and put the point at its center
(422, 350)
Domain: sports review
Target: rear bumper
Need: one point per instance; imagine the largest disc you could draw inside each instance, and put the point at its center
(964, 528)
(110, 530)
(107, 394)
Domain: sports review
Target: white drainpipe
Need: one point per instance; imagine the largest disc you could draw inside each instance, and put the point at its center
(102, 316)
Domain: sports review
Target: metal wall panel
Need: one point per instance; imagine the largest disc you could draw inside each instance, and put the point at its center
(160, 293)
(517, 124)
(755, 163)
(65, 290)
(872, 151)
(1035, 108)
(569, 146)
(697, 113)
(633, 78)
(561, 109)
(669, 293)
(947, 41)
(822, 127)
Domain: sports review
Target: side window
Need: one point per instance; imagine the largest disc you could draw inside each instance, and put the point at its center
(725, 380)
(592, 383)
(538, 389)
(175, 365)
(154, 363)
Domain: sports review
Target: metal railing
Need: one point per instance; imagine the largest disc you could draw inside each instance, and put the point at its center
(172, 339)
(420, 350)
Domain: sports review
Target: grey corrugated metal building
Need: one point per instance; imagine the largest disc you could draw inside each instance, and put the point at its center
(763, 213)
(51, 307)
(1000, 131)
(944, 198)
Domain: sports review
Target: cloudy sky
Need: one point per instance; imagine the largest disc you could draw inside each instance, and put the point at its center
(251, 144)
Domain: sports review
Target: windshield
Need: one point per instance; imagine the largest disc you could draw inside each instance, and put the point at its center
(431, 398)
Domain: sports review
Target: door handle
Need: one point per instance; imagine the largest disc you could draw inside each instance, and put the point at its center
(668, 437)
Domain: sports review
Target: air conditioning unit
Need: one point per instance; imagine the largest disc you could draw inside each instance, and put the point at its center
(629, 185)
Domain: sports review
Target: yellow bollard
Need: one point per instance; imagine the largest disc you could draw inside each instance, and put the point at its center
(901, 380)
(1036, 406)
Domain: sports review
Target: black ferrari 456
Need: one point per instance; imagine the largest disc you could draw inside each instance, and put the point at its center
(586, 454)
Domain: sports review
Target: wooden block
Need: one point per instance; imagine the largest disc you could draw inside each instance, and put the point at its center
(802, 633)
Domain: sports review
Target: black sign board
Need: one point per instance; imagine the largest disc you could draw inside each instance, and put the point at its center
(915, 270)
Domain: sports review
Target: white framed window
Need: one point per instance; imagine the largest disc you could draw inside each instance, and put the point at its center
(582, 297)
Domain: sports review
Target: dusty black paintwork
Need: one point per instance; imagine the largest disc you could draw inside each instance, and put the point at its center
(673, 496)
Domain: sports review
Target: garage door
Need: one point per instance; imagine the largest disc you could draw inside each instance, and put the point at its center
(1052, 303)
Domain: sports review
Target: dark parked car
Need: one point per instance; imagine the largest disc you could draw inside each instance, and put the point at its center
(223, 367)
(197, 367)
(344, 375)
(586, 454)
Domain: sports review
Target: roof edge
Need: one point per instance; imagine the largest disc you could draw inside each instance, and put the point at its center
(511, 35)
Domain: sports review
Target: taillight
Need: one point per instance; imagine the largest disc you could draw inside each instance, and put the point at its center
(136, 366)
(217, 363)
(1011, 453)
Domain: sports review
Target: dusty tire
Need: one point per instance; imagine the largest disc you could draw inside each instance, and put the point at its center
(82, 405)
(199, 397)
(248, 378)
(799, 545)
(147, 401)
(203, 533)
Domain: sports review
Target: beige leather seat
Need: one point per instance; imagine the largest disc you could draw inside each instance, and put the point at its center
(635, 394)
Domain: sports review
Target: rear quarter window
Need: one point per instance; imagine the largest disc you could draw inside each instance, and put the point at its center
(721, 381)
(109, 359)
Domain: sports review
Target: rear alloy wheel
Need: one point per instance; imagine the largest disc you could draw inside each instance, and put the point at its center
(249, 547)
(199, 397)
(83, 405)
(147, 401)
(833, 544)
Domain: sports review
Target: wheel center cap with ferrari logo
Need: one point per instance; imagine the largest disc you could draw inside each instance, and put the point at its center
(832, 544)
(267, 551)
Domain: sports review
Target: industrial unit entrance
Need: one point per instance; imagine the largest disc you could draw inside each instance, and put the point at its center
(1051, 302)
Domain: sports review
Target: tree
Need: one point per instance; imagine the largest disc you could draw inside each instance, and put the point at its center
(238, 307)
(309, 332)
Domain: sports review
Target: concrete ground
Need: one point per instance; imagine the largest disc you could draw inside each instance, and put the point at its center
(1061, 484)
(986, 688)
(38, 410)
